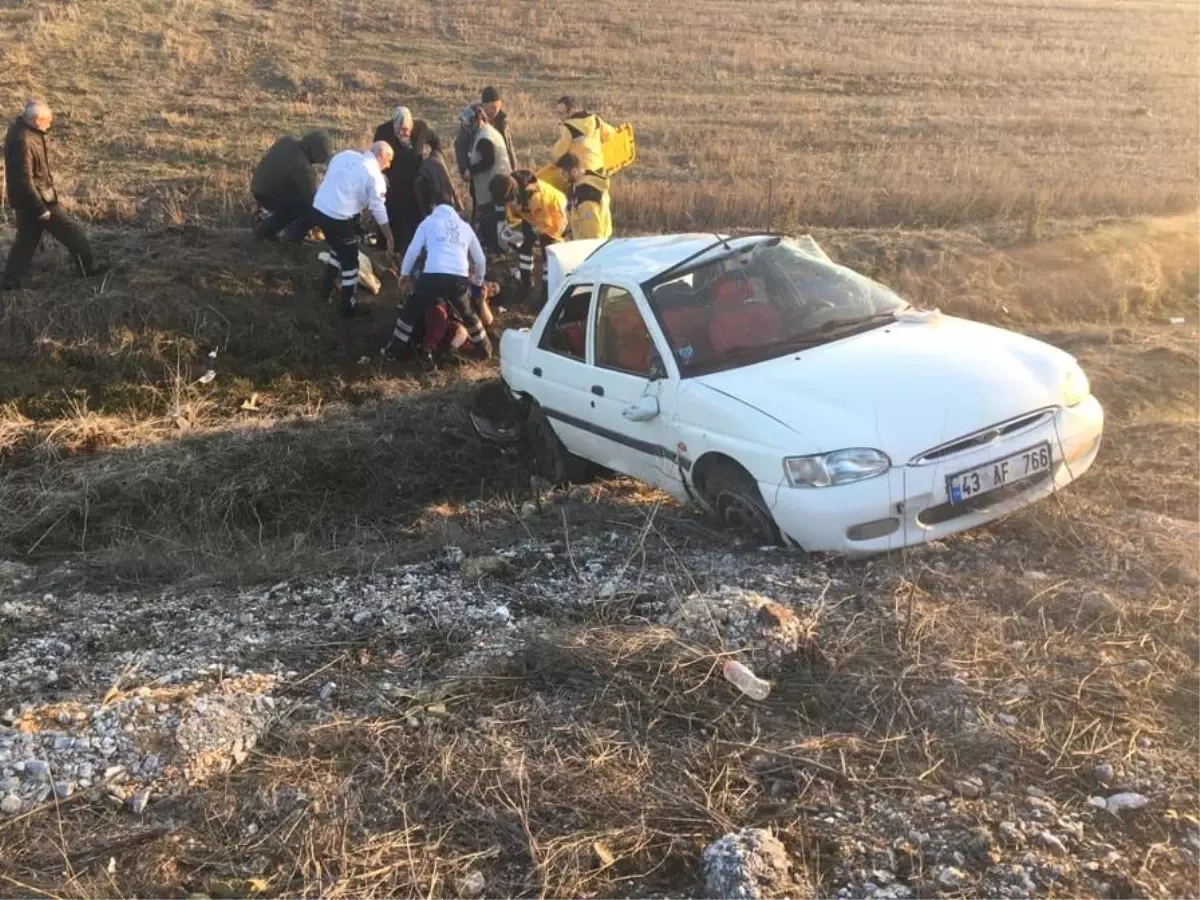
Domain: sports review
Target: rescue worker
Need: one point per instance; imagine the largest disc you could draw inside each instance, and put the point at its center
(32, 195)
(433, 177)
(588, 210)
(284, 183)
(403, 212)
(539, 210)
(454, 262)
(493, 106)
(353, 182)
(583, 135)
(488, 158)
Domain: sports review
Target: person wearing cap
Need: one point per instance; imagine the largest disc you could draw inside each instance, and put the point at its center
(31, 193)
(353, 182)
(493, 105)
(539, 210)
(284, 183)
(588, 204)
(488, 157)
(403, 212)
(454, 270)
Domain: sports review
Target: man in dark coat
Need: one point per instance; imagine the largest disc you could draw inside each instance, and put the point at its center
(32, 195)
(434, 184)
(404, 214)
(285, 182)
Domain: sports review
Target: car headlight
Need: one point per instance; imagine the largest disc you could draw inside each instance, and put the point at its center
(838, 467)
(1075, 387)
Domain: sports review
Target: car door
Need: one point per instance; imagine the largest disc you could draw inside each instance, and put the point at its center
(562, 378)
(628, 375)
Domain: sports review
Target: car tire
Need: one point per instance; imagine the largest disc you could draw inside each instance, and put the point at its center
(551, 460)
(735, 498)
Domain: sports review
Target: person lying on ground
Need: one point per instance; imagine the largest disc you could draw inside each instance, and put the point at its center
(454, 261)
(354, 182)
(32, 195)
(443, 333)
(284, 183)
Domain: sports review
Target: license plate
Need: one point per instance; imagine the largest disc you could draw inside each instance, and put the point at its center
(997, 474)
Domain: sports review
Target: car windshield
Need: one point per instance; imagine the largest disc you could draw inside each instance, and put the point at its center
(761, 302)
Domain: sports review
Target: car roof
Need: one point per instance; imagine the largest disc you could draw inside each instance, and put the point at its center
(636, 259)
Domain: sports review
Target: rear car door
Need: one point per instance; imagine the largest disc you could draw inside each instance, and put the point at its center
(628, 372)
(562, 379)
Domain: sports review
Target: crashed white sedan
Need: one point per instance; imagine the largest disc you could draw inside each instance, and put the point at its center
(794, 398)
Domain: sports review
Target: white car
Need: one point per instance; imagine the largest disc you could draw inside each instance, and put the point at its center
(794, 398)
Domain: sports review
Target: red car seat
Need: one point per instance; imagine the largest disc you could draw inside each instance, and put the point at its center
(737, 323)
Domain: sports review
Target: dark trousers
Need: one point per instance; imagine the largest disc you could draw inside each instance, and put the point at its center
(527, 249)
(487, 218)
(30, 228)
(455, 291)
(291, 216)
(342, 237)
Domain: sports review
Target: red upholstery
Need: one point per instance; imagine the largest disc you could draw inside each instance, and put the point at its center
(572, 333)
(686, 326)
(627, 341)
(736, 323)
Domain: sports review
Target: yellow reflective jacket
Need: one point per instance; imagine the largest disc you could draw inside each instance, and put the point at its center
(583, 133)
(546, 210)
(589, 209)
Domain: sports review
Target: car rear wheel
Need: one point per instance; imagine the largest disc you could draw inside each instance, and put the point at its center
(738, 503)
(551, 460)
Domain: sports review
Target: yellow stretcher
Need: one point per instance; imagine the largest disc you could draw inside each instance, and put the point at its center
(620, 152)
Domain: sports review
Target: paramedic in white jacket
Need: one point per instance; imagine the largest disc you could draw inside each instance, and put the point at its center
(454, 267)
(353, 182)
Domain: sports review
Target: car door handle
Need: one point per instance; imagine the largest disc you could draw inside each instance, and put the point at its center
(537, 370)
(597, 390)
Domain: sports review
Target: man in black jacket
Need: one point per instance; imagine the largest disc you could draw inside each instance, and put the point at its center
(31, 193)
(285, 181)
(404, 213)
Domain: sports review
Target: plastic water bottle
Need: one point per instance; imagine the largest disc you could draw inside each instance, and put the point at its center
(745, 680)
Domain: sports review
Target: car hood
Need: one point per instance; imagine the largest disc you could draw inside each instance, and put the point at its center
(903, 388)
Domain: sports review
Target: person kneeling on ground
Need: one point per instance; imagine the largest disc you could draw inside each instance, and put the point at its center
(32, 195)
(452, 251)
(284, 183)
(538, 209)
(353, 183)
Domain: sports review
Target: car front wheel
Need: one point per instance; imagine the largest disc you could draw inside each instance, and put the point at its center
(551, 460)
(738, 503)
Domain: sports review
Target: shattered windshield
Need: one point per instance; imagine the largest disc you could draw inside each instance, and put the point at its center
(761, 302)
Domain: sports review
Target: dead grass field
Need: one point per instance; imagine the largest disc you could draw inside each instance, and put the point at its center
(840, 113)
(1029, 164)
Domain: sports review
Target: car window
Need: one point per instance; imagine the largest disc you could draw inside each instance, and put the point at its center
(622, 340)
(566, 331)
(763, 302)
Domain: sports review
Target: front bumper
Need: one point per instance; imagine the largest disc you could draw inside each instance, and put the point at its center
(911, 503)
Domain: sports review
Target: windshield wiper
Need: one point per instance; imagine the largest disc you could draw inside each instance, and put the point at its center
(841, 324)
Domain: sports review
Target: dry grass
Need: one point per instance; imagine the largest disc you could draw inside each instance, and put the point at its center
(835, 113)
(1014, 162)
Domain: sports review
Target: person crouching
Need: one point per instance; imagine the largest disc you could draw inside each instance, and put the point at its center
(454, 261)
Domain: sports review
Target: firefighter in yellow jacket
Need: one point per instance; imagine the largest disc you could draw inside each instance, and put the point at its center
(588, 206)
(538, 209)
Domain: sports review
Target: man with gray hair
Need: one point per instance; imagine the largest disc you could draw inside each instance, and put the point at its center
(353, 182)
(403, 210)
(32, 195)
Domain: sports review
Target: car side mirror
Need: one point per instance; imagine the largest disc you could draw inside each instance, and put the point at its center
(645, 409)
